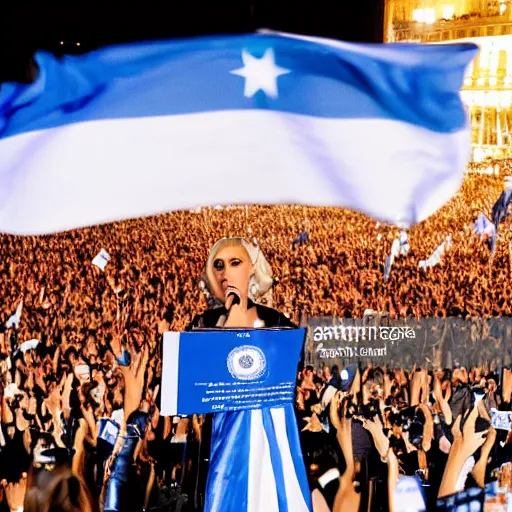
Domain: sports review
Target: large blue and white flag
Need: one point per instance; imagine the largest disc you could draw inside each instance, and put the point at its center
(140, 129)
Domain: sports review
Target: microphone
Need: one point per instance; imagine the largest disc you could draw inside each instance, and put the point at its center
(236, 298)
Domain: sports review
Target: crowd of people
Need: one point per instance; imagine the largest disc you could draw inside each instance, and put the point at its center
(369, 427)
(80, 422)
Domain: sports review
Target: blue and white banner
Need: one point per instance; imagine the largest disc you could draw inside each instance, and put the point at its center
(229, 370)
(141, 129)
(256, 463)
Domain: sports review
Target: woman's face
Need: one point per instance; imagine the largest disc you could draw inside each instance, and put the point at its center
(232, 268)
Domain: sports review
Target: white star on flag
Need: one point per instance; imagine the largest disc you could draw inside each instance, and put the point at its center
(260, 74)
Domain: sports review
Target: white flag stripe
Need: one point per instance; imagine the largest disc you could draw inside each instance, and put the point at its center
(170, 362)
(214, 156)
(295, 498)
(262, 492)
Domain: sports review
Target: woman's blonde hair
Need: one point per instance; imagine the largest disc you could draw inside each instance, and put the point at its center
(261, 281)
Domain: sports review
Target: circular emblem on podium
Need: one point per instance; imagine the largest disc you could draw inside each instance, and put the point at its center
(246, 363)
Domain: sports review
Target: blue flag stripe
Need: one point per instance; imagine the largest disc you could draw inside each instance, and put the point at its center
(410, 83)
(228, 474)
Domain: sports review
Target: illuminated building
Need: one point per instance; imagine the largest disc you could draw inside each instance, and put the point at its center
(487, 90)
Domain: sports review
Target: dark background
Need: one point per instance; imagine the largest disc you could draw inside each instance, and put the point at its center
(27, 26)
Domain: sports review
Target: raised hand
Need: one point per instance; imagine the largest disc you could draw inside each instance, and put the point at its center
(313, 424)
(401, 377)
(134, 383)
(465, 444)
(442, 401)
(425, 389)
(507, 385)
(416, 383)
(15, 492)
(67, 386)
(347, 499)
(7, 416)
(481, 465)
(374, 426)
(472, 440)
(39, 380)
(334, 411)
(428, 429)
(387, 385)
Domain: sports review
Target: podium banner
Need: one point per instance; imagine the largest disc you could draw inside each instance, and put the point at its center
(211, 371)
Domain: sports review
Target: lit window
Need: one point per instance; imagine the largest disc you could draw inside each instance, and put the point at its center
(430, 15)
(424, 15)
(503, 8)
(485, 56)
(448, 11)
(505, 99)
(418, 15)
(492, 99)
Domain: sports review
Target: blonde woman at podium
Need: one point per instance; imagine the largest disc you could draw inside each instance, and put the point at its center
(256, 461)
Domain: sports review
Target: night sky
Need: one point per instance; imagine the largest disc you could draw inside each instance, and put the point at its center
(27, 26)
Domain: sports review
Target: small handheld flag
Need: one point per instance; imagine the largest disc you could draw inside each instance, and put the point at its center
(14, 320)
(101, 259)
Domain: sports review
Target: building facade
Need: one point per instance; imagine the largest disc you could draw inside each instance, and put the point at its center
(487, 90)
